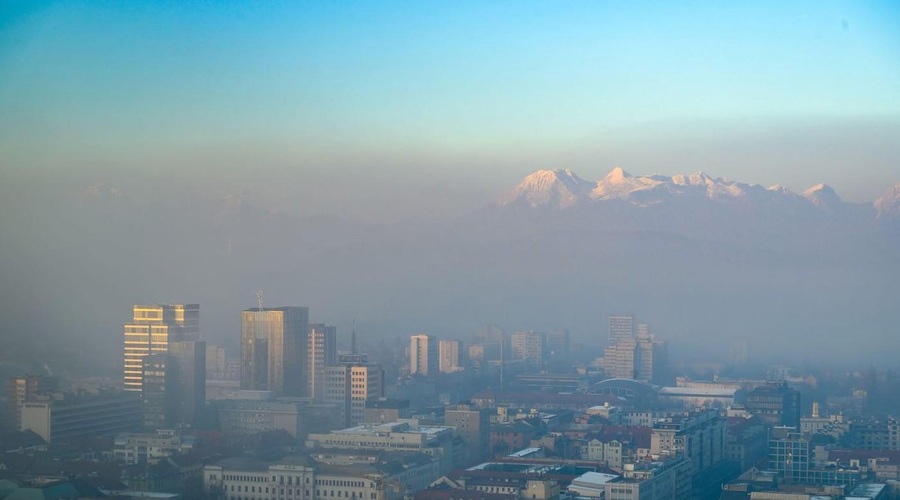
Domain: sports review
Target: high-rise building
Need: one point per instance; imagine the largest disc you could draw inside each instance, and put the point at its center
(423, 354)
(528, 346)
(187, 368)
(652, 356)
(350, 385)
(273, 350)
(322, 352)
(174, 385)
(558, 345)
(449, 354)
(157, 392)
(473, 424)
(620, 328)
(621, 360)
(776, 404)
(634, 352)
(150, 331)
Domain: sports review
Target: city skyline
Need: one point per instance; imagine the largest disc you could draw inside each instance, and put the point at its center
(353, 158)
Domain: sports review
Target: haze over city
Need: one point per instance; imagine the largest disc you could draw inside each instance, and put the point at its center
(585, 250)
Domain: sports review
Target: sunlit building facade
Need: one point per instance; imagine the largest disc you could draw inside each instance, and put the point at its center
(423, 354)
(150, 331)
(273, 350)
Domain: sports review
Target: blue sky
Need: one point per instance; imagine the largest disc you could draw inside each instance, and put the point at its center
(770, 92)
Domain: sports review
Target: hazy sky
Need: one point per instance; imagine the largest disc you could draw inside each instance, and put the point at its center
(335, 99)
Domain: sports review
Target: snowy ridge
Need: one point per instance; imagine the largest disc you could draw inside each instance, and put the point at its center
(559, 188)
(822, 196)
(888, 205)
(562, 189)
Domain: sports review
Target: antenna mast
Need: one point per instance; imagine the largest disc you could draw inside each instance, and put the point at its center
(259, 299)
(353, 338)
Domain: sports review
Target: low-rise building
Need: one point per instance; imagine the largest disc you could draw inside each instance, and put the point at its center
(644, 480)
(260, 411)
(380, 476)
(438, 441)
(150, 448)
(71, 417)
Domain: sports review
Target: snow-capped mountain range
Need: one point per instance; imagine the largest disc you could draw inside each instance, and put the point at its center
(562, 188)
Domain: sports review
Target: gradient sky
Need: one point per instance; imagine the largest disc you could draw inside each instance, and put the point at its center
(767, 91)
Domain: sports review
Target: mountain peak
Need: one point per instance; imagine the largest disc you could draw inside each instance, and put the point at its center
(560, 187)
(617, 174)
(822, 196)
(888, 205)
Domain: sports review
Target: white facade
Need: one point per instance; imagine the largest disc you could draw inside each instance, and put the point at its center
(290, 479)
(350, 386)
(134, 448)
(528, 346)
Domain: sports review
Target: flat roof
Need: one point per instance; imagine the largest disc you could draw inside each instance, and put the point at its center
(395, 427)
(697, 391)
(594, 479)
(524, 452)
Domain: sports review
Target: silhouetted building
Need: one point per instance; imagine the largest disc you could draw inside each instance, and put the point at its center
(157, 392)
(558, 344)
(174, 385)
(151, 330)
(187, 368)
(776, 404)
(273, 350)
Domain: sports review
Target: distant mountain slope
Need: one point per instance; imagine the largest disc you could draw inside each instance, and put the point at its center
(706, 260)
(564, 189)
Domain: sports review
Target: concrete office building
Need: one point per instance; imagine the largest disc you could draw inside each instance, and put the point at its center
(385, 476)
(250, 412)
(440, 442)
(381, 410)
(72, 417)
(273, 350)
(150, 331)
(423, 355)
(449, 354)
(149, 448)
(620, 328)
(775, 403)
(321, 353)
(700, 436)
(350, 385)
(473, 424)
(24, 389)
(528, 346)
(174, 385)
